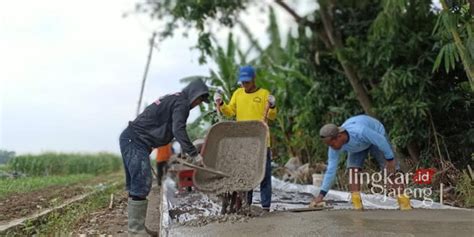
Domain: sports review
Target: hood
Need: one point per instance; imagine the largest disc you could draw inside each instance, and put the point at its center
(195, 89)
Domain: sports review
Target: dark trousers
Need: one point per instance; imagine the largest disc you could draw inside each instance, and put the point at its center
(136, 162)
(265, 185)
(161, 169)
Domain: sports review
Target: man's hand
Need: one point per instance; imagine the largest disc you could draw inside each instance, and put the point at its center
(271, 101)
(390, 166)
(197, 160)
(317, 201)
(218, 98)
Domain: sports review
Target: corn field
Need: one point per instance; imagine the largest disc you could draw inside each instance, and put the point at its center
(65, 164)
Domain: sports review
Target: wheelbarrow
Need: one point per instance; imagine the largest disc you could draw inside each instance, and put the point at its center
(235, 148)
(239, 150)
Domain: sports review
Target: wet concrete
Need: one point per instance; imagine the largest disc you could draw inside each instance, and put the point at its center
(197, 213)
(419, 222)
(237, 149)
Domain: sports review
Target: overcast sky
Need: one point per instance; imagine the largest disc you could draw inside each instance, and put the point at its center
(71, 72)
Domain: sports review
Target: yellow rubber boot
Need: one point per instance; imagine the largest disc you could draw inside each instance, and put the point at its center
(356, 201)
(404, 202)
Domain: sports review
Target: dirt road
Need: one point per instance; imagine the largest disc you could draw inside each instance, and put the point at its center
(420, 222)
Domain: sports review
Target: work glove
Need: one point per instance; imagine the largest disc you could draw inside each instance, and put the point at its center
(272, 101)
(218, 98)
(317, 202)
(197, 160)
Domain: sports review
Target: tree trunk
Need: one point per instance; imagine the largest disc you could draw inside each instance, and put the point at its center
(336, 45)
(361, 94)
(152, 42)
(332, 40)
(413, 150)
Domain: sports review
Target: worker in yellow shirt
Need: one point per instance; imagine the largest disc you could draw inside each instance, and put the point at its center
(252, 103)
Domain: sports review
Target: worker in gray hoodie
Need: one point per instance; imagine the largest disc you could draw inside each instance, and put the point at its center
(156, 126)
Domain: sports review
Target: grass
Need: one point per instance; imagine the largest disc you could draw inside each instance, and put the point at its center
(28, 184)
(65, 220)
(465, 189)
(62, 222)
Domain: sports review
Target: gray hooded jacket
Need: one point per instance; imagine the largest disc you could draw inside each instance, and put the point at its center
(166, 118)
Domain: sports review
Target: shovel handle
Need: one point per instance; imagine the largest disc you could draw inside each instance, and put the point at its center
(205, 169)
(218, 110)
(265, 114)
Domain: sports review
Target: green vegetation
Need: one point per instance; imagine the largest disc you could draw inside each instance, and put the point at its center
(28, 173)
(35, 172)
(65, 164)
(465, 189)
(406, 62)
(62, 222)
(28, 184)
(397, 60)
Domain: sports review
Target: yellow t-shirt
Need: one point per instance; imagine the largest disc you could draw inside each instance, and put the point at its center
(249, 106)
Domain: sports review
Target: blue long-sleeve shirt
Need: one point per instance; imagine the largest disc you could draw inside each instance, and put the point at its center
(363, 131)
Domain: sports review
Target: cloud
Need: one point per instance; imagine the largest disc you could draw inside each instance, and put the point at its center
(71, 71)
(74, 71)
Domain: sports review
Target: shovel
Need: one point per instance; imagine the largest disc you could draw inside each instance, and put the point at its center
(205, 169)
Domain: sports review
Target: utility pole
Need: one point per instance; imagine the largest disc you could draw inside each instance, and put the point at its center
(150, 52)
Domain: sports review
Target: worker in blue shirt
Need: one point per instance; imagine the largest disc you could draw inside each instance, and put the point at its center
(358, 136)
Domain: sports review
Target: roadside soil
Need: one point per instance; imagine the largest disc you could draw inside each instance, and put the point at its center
(114, 221)
(23, 204)
(106, 221)
(103, 221)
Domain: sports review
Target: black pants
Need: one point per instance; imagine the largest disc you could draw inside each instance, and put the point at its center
(265, 185)
(161, 169)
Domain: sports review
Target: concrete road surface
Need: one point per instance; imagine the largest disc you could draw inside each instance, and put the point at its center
(419, 222)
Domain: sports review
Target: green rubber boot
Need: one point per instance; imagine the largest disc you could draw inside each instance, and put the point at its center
(136, 217)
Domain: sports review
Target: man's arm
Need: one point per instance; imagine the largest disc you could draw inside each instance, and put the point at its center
(229, 109)
(331, 170)
(180, 116)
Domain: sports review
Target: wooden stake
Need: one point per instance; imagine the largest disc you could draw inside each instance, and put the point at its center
(265, 113)
(111, 201)
(441, 193)
(470, 172)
